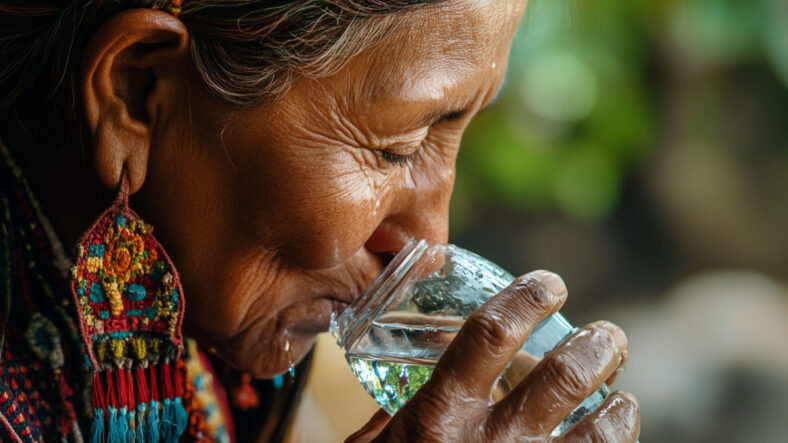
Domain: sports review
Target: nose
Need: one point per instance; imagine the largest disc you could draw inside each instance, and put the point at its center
(418, 211)
(393, 233)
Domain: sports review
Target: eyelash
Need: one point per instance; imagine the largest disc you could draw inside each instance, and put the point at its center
(404, 160)
(397, 159)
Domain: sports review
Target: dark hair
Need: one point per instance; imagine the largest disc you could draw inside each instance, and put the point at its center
(244, 50)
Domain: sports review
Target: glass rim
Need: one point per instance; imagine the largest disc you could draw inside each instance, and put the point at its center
(346, 326)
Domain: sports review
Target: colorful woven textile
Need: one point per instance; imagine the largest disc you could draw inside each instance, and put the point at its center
(131, 308)
(53, 355)
(95, 363)
(128, 293)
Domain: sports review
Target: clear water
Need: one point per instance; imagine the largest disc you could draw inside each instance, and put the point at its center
(396, 332)
(397, 355)
(390, 382)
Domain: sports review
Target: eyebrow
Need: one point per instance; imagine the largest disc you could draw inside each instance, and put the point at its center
(438, 117)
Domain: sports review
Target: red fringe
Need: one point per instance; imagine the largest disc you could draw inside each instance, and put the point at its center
(166, 381)
(121, 384)
(98, 392)
(111, 400)
(142, 386)
(154, 390)
(130, 387)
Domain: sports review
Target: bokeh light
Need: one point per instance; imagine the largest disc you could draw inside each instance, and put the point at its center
(640, 150)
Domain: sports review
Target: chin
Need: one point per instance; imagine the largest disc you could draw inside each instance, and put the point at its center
(262, 352)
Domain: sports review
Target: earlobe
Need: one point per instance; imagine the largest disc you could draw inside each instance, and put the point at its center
(129, 72)
(115, 148)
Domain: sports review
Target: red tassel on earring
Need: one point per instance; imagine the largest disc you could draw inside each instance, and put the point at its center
(142, 386)
(154, 390)
(131, 310)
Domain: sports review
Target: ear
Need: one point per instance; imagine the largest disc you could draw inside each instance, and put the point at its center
(130, 72)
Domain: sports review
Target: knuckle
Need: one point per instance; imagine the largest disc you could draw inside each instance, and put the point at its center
(620, 424)
(594, 343)
(489, 330)
(622, 427)
(629, 417)
(532, 292)
(571, 380)
(602, 339)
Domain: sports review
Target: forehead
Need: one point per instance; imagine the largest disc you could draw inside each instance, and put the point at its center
(439, 52)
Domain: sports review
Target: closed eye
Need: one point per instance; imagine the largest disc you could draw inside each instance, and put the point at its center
(432, 120)
(450, 116)
(443, 117)
(397, 159)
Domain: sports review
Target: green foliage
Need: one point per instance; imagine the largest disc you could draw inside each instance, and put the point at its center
(579, 109)
(573, 116)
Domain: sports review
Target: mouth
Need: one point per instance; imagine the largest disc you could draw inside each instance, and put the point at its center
(314, 316)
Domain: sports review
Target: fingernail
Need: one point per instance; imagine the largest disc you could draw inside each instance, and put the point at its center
(618, 336)
(553, 282)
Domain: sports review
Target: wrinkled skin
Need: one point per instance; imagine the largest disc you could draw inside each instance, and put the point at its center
(278, 214)
(454, 404)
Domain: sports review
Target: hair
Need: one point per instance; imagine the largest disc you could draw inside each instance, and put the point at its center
(245, 51)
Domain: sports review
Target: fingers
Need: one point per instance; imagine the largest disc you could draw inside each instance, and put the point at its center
(617, 419)
(492, 335)
(561, 381)
(371, 429)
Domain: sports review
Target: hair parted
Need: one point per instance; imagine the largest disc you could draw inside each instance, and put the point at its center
(245, 51)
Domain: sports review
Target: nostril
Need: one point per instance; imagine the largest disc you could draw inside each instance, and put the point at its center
(391, 235)
(384, 258)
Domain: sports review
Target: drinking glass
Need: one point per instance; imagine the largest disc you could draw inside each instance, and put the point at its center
(394, 334)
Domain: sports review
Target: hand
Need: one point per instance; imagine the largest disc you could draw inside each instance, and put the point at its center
(454, 405)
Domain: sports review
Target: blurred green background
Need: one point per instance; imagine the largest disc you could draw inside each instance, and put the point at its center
(640, 150)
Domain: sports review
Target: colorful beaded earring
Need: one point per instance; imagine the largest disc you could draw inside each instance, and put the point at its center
(130, 303)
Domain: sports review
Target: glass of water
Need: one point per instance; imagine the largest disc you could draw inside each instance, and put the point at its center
(394, 334)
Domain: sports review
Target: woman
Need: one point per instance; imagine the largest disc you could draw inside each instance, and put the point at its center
(283, 151)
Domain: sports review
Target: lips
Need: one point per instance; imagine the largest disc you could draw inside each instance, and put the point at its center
(312, 316)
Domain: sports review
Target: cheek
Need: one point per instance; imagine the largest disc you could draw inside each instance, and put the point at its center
(330, 219)
(330, 225)
(316, 206)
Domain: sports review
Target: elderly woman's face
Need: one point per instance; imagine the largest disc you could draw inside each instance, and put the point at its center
(278, 215)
